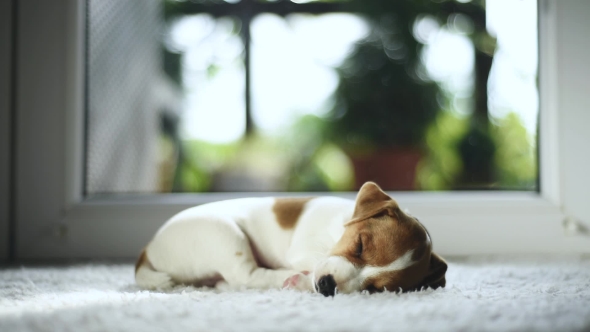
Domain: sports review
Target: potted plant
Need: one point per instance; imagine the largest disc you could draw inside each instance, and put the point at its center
(383, 107)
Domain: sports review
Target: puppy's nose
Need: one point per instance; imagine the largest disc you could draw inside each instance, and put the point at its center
(326, 285)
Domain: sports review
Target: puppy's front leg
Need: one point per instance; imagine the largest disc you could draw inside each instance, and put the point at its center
(245, 271)
(301, 281)
(257, 277)
(242, 269)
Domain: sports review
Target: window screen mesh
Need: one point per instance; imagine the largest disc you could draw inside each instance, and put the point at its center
(122, 113)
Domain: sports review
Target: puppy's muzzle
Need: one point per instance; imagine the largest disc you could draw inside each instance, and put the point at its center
(326, 285)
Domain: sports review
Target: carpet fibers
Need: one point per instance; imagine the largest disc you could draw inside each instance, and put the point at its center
(482, 294)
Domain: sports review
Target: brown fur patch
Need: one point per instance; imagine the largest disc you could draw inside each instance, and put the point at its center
(288, 210)
(141, 260)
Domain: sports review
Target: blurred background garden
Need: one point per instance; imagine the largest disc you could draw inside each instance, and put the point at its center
(325, 95)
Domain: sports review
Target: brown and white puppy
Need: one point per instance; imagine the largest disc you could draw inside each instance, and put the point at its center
(323, 244)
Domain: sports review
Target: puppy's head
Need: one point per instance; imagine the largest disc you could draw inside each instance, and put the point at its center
(382, 248)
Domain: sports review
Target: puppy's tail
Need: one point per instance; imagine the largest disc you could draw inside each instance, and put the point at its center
(147, 277)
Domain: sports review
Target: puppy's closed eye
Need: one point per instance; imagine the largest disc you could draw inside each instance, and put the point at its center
(359, 247)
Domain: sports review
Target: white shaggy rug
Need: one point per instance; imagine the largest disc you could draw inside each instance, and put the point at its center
(482, 294)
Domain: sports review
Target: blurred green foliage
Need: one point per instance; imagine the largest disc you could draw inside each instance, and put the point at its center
(202, 159)
(516, 154)
(515, 157)
(310, 163)
(316, 164)
(306, 161)
(442, 164)
(384, 98)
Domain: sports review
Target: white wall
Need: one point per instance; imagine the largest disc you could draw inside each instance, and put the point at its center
(5, 120)
(41, 102)
(573, 71)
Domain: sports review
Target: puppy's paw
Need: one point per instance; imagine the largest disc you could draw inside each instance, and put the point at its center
(300, 281)
(167, 285)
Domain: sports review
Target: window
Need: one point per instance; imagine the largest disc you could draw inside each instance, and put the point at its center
(55, 219)
(226, 96)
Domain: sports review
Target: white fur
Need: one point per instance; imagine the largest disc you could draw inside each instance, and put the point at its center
(398, 264)
(215, 241)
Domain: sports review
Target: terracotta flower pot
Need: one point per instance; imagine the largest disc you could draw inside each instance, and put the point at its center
(392, 169)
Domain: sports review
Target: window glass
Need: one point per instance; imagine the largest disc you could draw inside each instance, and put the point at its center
(219, 96)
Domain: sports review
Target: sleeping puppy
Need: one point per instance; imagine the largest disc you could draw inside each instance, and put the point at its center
(323, 244)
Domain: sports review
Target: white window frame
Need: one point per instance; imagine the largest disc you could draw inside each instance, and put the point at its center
(54, 220)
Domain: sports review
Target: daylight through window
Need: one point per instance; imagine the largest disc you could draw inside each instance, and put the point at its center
(223, 96)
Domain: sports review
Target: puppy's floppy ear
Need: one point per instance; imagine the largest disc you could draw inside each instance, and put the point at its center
(436, 273)
(370, 201)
